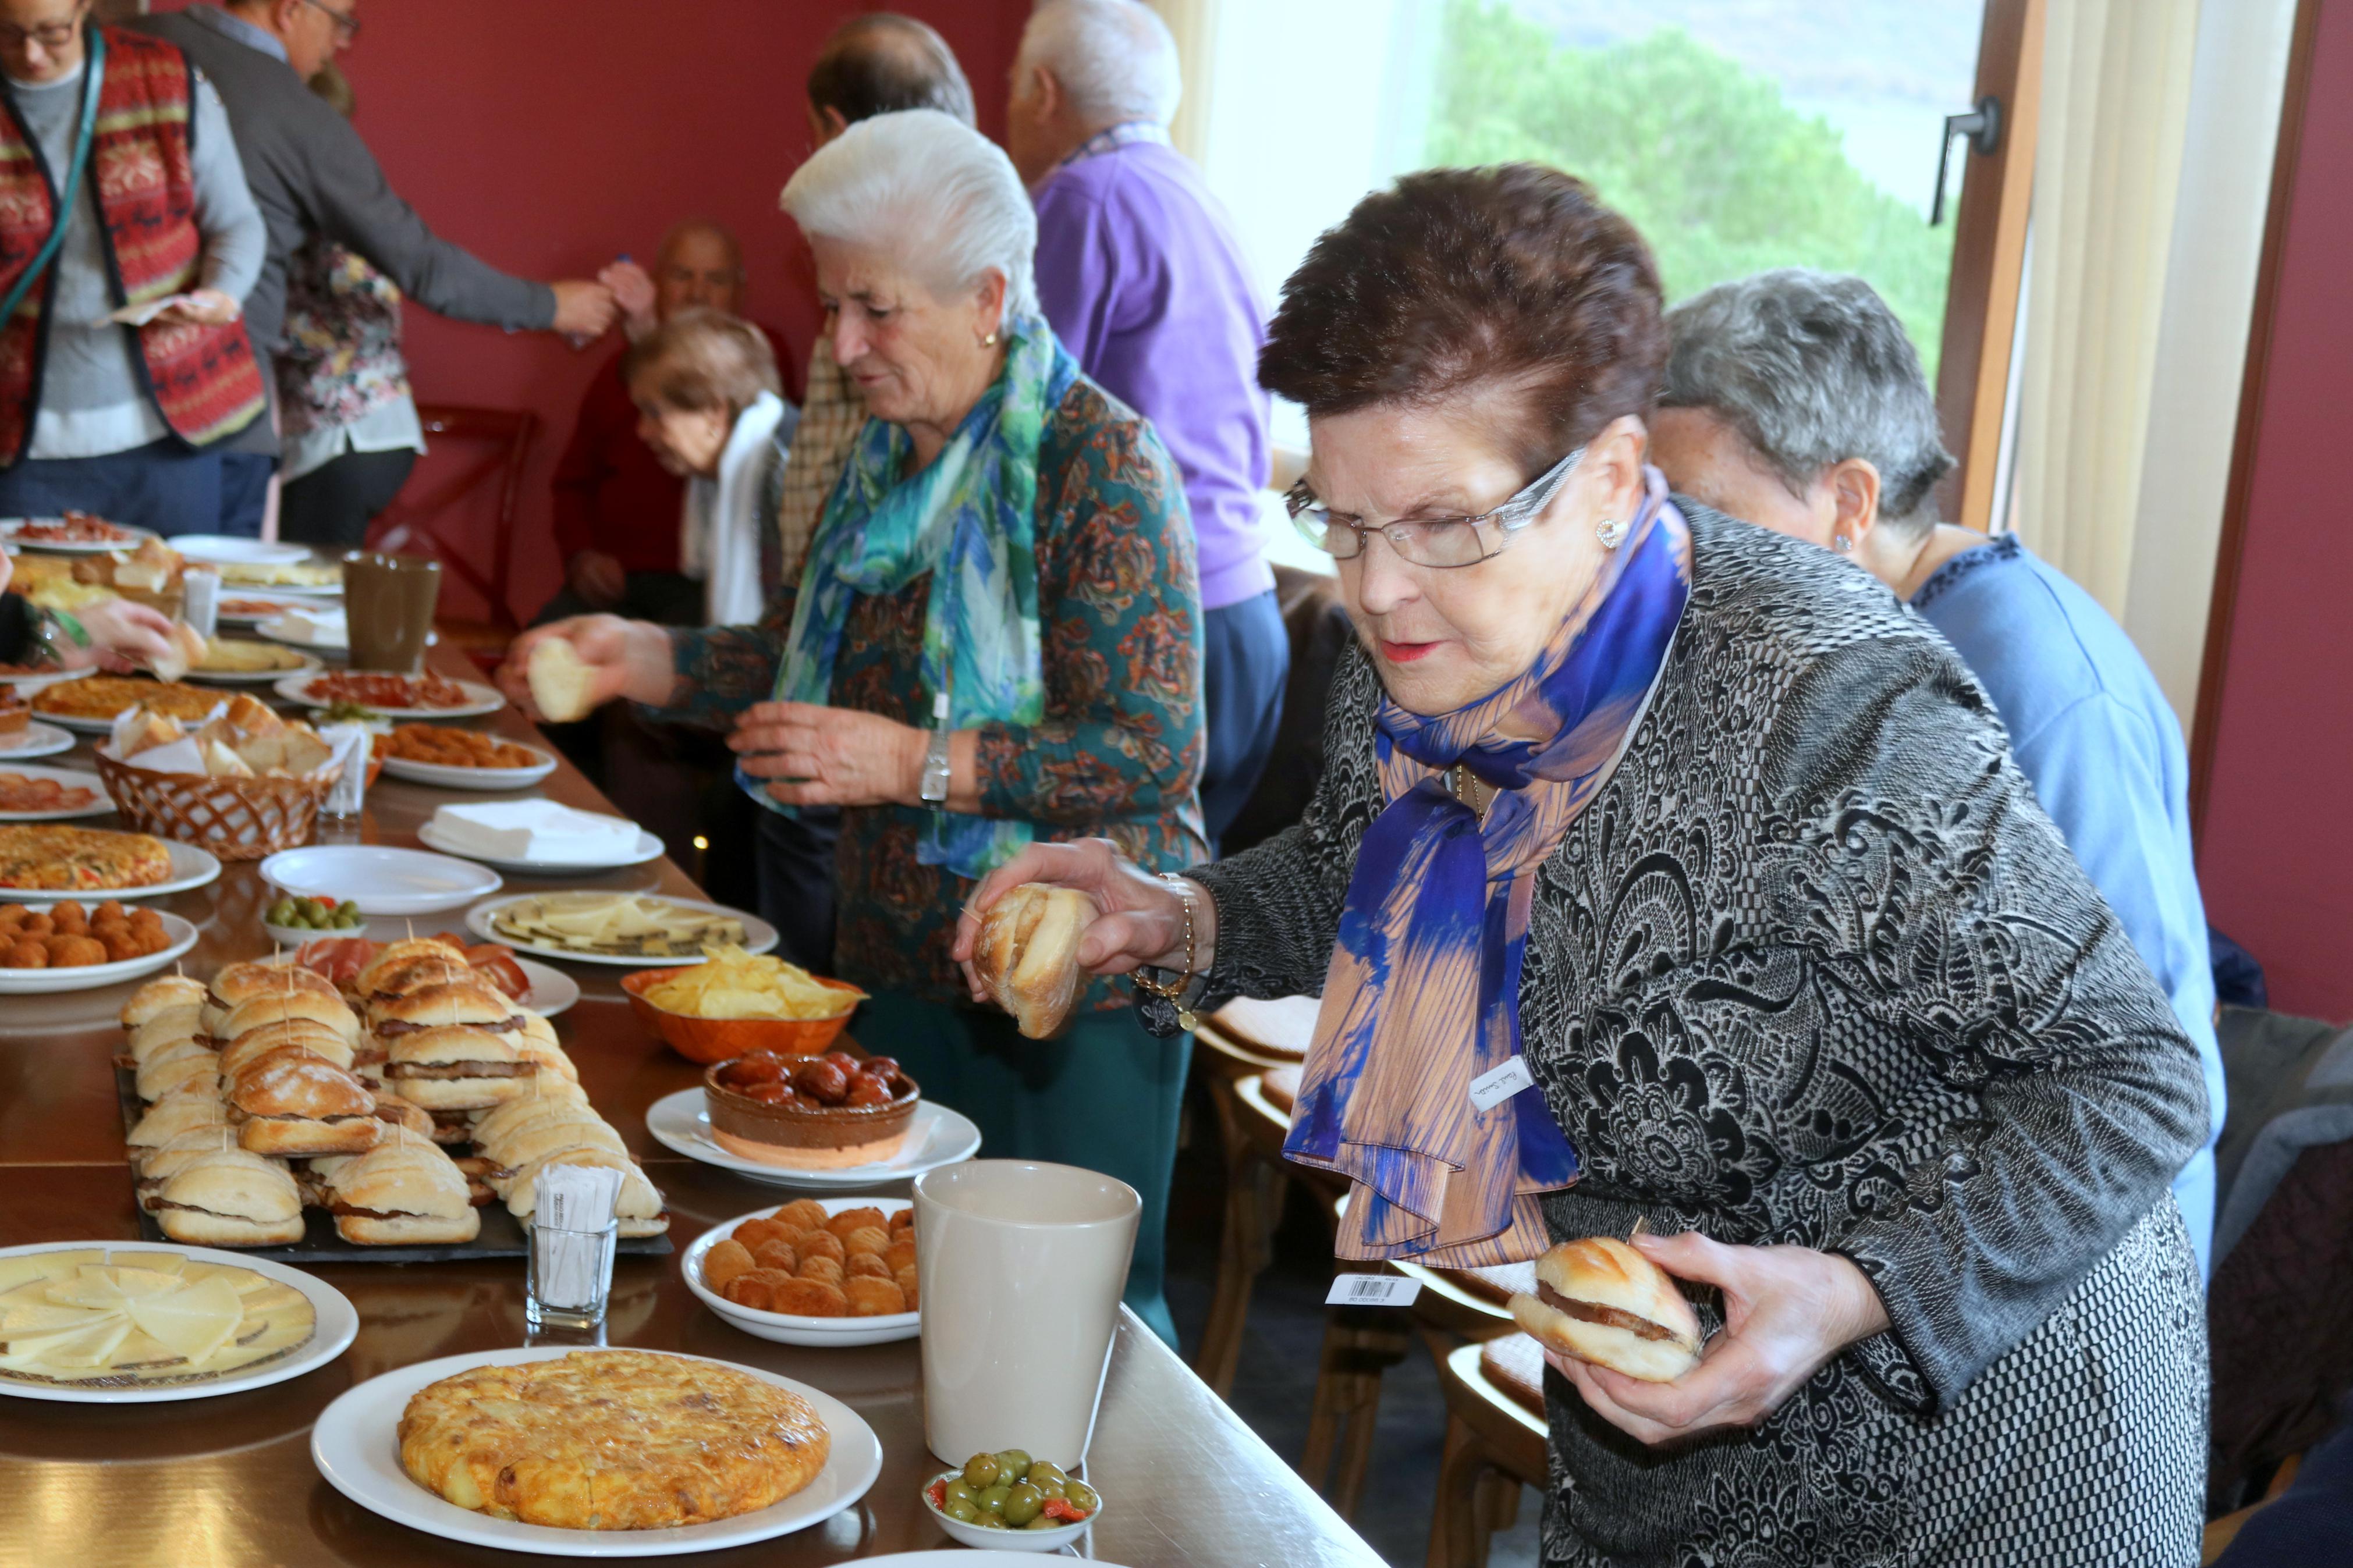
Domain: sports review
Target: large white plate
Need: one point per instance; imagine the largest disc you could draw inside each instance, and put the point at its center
(191, 867)
(552, 991)
(356, 1446)
(937, 1136)
(961, 1557)
(9, 525)
(91, 976)
(41, 680)
(35, 739)
(334, 1322)
(311, 665)
(72, 778)
(759, 936)
(480, 699)
(648, 848)
(792, 1327)
(229, 549)
(380, 878)
(444, 776)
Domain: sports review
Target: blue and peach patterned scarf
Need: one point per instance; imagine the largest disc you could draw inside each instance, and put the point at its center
(1423, 994)
(970, 519)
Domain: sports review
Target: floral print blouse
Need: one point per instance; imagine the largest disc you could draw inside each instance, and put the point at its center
(341, 361)
(1119, 752)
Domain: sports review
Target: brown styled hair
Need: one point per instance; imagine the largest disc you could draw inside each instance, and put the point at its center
(702, 360)
(1510, 279)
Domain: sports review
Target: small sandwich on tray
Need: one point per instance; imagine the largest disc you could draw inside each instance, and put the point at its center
(295, 1103)
(1601, 1300)
(230, 1197)
(403, 1193)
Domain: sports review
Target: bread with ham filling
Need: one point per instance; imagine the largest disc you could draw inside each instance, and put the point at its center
(1602, 1301)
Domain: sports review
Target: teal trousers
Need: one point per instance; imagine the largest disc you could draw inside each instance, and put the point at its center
(1104, 1096)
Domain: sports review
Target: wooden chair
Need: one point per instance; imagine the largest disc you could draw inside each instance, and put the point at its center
(1495, 1444)
(429, 520)
(1244, 1039)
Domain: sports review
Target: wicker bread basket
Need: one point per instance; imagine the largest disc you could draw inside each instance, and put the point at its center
(234, 818)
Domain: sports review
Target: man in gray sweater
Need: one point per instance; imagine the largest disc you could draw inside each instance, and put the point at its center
(310, 173)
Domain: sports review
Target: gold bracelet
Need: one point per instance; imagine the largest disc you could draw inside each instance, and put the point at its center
(1171, 992)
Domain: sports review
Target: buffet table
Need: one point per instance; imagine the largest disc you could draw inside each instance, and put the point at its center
(229, 1480)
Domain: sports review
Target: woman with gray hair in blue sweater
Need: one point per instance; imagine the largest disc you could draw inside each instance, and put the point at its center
(1794, 400)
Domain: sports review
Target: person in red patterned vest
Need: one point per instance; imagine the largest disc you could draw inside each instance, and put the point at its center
(109, 404)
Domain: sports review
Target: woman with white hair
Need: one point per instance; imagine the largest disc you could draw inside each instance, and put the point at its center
(995, 639)
(1794, 399)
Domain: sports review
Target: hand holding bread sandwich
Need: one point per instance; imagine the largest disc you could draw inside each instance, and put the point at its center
(566, 670)
(1611, 1319)
(1022, 954)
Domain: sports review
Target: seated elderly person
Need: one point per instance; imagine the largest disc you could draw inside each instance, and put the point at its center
(1794, 400)
(997, 640)
(1725, 862)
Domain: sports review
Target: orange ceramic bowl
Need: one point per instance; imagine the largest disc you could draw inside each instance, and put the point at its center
(709, 1041)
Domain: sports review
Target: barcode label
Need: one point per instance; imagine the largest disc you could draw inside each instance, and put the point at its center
(1372, 1290)
(1496, 1085)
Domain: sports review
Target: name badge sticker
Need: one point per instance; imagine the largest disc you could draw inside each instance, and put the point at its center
(1496, 1085)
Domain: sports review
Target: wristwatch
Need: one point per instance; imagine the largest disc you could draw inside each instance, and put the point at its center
(935, 786)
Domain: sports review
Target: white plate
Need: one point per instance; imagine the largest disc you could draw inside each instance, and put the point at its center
(381, 879)
(191, 867)
(91, 976)
(9, 525)
(552, 991)
(792, 1327)
(356, 1446)
(311, 665)
(444, 775)
(648, 847)
(26, 685)
(279, 604)
(936, 1136)
(334, 1322)
(35, 739)
(72, 778)
(960, 1558)
(759, 936)
(229, 549)
(480, 700)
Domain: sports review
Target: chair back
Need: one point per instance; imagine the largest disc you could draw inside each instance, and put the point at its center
(431, 519)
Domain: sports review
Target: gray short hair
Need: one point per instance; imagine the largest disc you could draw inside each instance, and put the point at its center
(928, 189)
(1812, 368)
(1116, 58)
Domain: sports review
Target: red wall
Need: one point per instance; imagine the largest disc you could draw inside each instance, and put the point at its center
(548, 136)
(2275, 854)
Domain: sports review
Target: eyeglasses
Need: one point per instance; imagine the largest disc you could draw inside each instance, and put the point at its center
(347, 26)
(48, 34)
(1444, 542)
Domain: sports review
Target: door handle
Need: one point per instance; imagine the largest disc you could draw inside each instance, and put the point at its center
(1982, 128)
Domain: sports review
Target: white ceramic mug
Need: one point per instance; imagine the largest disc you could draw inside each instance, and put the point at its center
(1021, 1267)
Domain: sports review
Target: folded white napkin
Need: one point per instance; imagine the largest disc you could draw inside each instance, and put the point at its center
(318, 628)
(535, 830)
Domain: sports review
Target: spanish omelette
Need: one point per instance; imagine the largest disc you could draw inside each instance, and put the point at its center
(611, 1440)
(106, 695)
(47, 857)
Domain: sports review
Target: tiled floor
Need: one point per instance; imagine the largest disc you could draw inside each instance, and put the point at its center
(1276, 1380)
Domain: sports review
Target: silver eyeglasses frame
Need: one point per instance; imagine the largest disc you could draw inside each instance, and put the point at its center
(1317, 522)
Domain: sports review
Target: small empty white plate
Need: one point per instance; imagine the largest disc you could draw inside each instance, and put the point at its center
(381, 881)
(229, 549)
(35, 739)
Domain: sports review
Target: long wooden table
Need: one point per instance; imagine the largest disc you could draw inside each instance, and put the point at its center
(228, 1481)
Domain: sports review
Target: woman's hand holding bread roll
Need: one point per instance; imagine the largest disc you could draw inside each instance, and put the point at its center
(1133, 919)
(604, 658)
(1787, 1311)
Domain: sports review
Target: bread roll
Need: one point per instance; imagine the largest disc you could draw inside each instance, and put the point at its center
(182, 649)
(1601, 1302)
(1027, 954)
(561, 683)
(166, 994)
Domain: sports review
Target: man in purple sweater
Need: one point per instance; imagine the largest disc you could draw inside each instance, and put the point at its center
(1139, 274)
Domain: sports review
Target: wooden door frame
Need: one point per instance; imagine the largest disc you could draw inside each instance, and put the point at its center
(2238, 495)
(1981, 298)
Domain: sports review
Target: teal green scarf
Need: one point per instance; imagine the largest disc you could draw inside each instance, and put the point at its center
(970, 519)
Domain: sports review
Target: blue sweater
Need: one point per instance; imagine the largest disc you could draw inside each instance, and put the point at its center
(2094, 735)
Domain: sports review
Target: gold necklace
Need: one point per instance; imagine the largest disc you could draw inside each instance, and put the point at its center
(1470, 790)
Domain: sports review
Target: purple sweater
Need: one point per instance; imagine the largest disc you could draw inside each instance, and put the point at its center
(1139, 274)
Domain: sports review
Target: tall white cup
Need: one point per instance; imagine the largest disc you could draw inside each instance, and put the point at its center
(1021, 1267)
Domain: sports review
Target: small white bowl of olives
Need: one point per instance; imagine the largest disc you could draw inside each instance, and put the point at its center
(1008, 1501)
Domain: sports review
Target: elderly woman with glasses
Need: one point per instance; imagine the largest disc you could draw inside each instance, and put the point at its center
(995, 639)
(1717, 852)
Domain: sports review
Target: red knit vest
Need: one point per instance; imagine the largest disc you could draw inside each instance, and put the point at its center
(203, 379)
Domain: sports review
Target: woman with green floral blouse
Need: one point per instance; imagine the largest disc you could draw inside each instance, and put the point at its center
(995, 639)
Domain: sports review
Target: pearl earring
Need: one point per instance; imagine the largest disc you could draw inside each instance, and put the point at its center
(989, 341)
(1612, 531)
